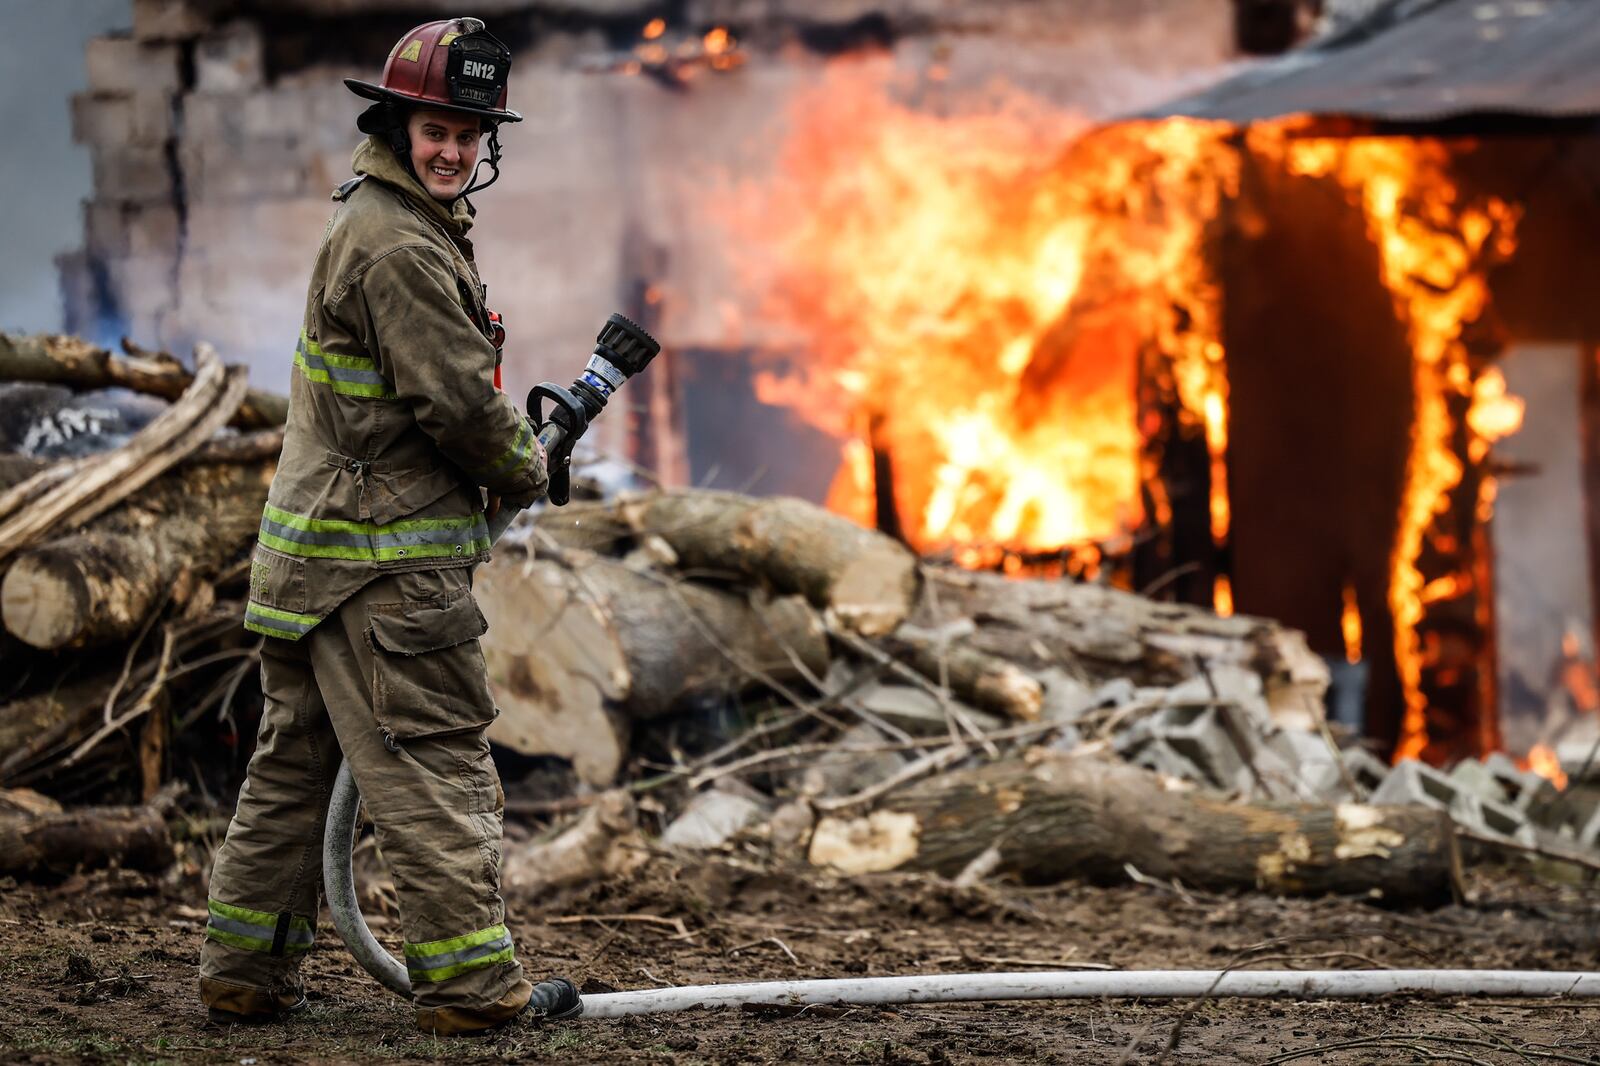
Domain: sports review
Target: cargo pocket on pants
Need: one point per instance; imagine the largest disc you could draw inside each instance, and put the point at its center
(428, 671)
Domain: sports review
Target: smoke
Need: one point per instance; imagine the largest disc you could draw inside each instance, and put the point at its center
(45, 176)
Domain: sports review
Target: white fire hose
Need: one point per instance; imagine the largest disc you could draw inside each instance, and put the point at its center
(339, 881)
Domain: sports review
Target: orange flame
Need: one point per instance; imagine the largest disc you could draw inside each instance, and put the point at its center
(1435, 248)
(1543, 761)
(985, 296)
(1222, 596)
(1350, 626)
(654, 28)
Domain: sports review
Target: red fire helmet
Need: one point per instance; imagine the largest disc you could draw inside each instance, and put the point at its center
(454, 64)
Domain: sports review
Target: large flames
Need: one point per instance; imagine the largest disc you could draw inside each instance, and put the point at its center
(978, 292)
(973, 301)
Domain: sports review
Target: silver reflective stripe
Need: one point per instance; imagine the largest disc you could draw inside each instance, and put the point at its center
(340, 373)
(424, 963)
(306, 536)
(279, 621)
(409, 538)
(296, 937)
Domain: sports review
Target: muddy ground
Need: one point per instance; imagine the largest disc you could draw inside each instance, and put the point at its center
(101, 969)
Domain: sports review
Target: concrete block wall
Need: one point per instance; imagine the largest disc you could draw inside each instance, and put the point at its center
(215, 150)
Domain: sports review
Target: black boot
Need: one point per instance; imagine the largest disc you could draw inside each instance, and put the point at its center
(554, 1000)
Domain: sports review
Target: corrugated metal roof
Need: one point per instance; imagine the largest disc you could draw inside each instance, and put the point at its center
(1426, 61)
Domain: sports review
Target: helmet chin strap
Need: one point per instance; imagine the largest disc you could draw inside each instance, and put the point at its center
(493, 163)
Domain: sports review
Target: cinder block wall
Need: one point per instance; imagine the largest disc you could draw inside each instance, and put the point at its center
(218, 130)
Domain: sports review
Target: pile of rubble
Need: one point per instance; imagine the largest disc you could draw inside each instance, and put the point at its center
(710, 668)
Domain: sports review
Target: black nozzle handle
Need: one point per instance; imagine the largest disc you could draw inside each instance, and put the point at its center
(567, 412)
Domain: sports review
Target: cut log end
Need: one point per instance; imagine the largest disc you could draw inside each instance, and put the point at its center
(555, 667)
(872, 594)
(43, 603)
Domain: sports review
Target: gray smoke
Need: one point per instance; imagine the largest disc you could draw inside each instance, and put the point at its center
(44, 177)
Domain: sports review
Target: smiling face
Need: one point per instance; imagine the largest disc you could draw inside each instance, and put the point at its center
(444, 149)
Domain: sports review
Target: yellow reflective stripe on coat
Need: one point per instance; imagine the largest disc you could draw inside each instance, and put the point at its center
(347, 375)
(440, 960)
(273, 622)
(523, 446)
(409, 538)
(240, 927)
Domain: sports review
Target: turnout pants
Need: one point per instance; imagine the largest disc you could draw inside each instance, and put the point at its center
(395, 680)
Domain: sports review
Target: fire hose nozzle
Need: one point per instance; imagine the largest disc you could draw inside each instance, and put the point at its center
(621, 350)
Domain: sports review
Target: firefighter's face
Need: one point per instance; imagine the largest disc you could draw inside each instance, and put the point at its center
(444, 149)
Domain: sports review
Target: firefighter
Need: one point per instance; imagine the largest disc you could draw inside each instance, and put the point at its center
(361, 582)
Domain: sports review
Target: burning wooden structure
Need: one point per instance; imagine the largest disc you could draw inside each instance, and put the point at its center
(1250, 349)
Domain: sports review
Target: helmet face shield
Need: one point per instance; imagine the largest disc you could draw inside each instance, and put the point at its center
(476, 70)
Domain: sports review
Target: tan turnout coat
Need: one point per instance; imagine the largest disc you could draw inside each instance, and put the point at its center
(394, 421)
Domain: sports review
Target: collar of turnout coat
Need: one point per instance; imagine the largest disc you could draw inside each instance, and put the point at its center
(376, 159)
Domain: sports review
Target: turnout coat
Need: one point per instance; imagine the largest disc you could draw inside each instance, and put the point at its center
(394, 420)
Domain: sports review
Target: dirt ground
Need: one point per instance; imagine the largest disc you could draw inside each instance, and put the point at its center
(101, 969)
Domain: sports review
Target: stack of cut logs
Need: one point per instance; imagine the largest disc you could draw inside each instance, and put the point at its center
(753, 666)
(120, 577)
(926, 718)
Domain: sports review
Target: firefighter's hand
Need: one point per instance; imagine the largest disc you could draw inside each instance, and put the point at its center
(492, 509)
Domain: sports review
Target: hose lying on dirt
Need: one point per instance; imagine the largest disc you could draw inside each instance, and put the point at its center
(553, 997)
(1146, 984)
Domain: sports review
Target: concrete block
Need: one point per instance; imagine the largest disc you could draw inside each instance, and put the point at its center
(1367, 769)
(121, 120)
(1524, 788)
(1502, 819)
(1324, 782)
(141, 175)
(1159, 756)
(127, 65)
(711, 819)
(1201, 738)
(168, 20)
(1474, 777)
(230, 59)
(1414, 782)
(1298, 748)
(1589, 834)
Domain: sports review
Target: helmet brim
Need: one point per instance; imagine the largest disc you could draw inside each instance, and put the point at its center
(377, 92)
